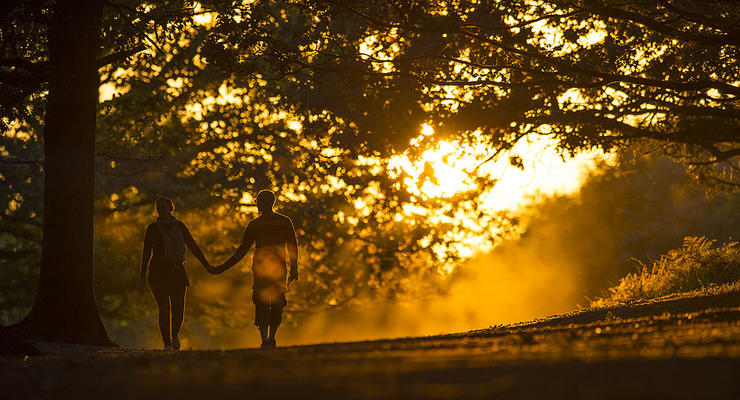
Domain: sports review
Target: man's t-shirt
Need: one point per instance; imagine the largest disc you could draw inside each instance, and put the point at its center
(270, 234)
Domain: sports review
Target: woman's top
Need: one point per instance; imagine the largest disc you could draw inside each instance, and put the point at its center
(164, 243)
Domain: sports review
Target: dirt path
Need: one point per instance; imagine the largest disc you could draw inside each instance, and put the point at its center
(678, 348)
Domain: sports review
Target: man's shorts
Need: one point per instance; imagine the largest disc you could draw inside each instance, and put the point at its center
(268, 310)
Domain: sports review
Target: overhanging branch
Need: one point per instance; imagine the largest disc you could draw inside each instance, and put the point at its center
(120, 55)
(24, 64)
(23, 77)
(611, 77)
(701, 38)
(4, 160)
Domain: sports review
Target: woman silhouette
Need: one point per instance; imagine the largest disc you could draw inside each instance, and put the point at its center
(164, 244)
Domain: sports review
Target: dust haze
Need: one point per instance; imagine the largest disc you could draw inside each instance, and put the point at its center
(489, 289)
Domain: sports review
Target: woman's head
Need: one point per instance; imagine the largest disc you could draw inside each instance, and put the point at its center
(164, 206)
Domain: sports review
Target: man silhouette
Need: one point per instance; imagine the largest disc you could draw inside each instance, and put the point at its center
(271, 233)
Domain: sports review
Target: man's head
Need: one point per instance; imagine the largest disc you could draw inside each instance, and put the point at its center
(265, 200)
(164, 206)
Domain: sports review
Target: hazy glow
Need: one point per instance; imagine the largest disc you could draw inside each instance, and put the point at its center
(545, 172)
(448, 168)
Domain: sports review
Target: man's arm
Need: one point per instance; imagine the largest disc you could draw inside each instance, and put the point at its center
(193, 246)
(292, 245)
(240, 252)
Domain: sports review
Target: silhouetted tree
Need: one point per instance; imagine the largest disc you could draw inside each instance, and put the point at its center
(55, 47)
(65, 307)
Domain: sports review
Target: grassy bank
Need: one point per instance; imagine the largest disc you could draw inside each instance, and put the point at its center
(697, 266)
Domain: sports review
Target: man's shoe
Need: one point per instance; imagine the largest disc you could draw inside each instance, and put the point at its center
(176, 343)
(168, 347)
(271, 343)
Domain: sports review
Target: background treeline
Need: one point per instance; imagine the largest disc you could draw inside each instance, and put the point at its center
(633, 212)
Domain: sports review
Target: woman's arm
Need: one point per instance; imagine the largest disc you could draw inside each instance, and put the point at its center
(240, 252)
(194, 248)
(292, 245)
(146, 255)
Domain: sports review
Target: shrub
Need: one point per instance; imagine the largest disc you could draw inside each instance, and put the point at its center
(695, 265)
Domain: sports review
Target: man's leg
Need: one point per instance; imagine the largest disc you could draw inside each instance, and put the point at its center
(177, 299)
(273, 331)
(263, 333)
(276, 317)
(261, 316)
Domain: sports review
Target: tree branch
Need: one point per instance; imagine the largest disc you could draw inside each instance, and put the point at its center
(701, 38)
(120, 55)
(8, 255)
(4, 160)
(24, 64)
(611, 77)
(22, 77)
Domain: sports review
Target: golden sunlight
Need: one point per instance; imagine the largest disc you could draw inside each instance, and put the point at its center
(448, 168)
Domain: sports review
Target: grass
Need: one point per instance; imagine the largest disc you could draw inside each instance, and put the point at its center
(697, 266)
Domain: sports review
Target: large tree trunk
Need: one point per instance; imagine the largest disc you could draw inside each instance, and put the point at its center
(65, 309)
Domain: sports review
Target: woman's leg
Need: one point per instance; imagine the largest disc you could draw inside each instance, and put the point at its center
(178, 312)
(163, 304)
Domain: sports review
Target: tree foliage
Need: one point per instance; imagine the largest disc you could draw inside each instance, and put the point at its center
(601, 74)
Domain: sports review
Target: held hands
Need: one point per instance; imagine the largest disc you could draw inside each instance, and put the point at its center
(215, 270)
(293, 274)
(209, 268)
(142, 283)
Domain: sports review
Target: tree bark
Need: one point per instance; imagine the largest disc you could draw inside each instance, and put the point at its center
(65, 309)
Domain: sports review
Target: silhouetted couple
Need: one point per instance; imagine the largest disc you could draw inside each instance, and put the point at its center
(165, 242)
